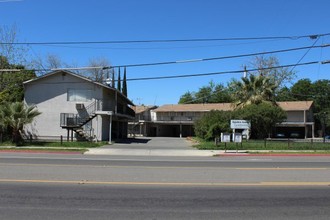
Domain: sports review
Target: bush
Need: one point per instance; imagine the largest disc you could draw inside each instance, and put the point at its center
(212, 124)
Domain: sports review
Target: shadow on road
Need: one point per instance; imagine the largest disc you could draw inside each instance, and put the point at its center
(133, 141)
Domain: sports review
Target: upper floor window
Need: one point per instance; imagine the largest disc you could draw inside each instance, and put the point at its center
(79, 95)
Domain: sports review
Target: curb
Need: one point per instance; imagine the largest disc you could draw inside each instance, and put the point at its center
(40, 152)
(271, 155)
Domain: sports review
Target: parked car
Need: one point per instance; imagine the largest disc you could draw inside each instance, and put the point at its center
(294, 135)
(280, 135)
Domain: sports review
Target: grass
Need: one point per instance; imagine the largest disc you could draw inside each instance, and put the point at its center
(52, 146)
(262, 145)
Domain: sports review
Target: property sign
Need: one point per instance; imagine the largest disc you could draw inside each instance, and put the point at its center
(225, 137)
(238, 138)
(240, 124)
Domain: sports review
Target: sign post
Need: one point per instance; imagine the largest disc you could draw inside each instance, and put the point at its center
(225, 137)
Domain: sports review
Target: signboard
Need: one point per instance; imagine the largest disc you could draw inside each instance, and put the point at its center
(225, 137)
(237, 137)
(240, 124)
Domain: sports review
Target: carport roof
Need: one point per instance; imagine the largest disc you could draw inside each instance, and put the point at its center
(286, 106)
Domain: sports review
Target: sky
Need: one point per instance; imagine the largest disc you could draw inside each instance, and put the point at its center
(135, 20)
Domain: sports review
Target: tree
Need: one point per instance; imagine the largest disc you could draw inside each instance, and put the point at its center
(284, 94)
(212, 124)
(124, 84)
(301, 89)
(212, 93)
(187, 98)
(119, 81)
(15, 54)
(15, 115)
(98, 74)
(263, 117)
(265, 67)
(11, 82)
(253, 90)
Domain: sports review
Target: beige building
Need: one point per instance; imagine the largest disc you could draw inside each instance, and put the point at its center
(77, 108)
(178, 120)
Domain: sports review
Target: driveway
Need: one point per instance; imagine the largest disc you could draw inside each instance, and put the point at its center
(151, 146)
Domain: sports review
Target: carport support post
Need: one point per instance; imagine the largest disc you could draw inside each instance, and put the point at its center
(180, 130)
(110, 129)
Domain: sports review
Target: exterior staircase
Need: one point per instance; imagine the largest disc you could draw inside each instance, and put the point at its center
(78, 122)
(131, 128)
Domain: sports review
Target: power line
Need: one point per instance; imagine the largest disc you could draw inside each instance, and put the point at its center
(305, 54)
(201, 59)
(217, 73)
(219, 58)
(183, 61)
(313, 36)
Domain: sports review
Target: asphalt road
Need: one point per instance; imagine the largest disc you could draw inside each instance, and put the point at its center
(50, 186)
(66, 201)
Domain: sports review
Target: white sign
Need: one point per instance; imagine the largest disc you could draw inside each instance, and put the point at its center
(225, 137)
(238, 138)
(240, 124)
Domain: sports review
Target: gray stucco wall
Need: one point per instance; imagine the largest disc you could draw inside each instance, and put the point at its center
(50, 96)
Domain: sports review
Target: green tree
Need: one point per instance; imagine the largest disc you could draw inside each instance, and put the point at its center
(321, 95)
(125, 83)
(253, 90)
(284, 94)
(212, 93)
(263, 116)
(11, 82)
(187, 98)
(302, 90)
(14, 116)
(212, 124)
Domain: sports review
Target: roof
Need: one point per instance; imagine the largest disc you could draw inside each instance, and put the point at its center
(286, 106)
(78, 76)
(195, 107)
(141, 108)
(295, 105)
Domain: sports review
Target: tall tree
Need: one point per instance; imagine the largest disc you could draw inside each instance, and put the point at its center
(98, 74)
(119, 81)
(212, 93)
(15, 54)
(269, 67)
(113, 78)
(253, 90)
(187, 98)
(11, 82)
(124, 83)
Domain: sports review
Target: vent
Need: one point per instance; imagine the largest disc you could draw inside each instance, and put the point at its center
(79, 106)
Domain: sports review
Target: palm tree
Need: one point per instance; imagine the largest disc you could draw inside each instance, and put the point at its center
(253, 90)
(15, 115)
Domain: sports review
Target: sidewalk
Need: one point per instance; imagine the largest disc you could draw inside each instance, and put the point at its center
(155, 146)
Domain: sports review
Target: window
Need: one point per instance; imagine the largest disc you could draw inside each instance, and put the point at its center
(79, 95)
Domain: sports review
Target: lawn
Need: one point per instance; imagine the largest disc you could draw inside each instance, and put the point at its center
(52, 146)
(263, 145)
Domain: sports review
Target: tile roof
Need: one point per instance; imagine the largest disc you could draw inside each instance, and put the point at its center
(286, 106)
(295, 105)
(141, 108)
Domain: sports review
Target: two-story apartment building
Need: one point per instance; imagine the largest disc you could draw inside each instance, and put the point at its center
(178, 120)
(76, 107)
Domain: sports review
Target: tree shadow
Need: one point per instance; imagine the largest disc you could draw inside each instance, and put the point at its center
(133, 141)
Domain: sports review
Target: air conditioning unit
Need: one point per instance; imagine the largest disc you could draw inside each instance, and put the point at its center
(80, 106)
